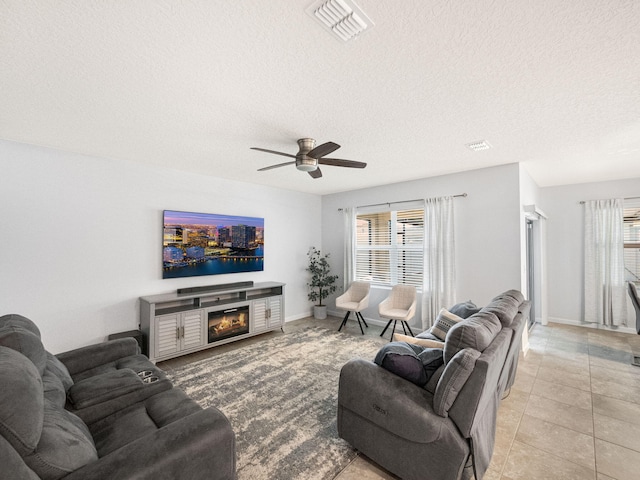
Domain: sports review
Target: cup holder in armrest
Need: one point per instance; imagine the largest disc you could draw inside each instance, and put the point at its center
(150, 379)
(145, 374)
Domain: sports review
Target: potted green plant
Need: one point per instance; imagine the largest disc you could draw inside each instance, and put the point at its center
(322, 283)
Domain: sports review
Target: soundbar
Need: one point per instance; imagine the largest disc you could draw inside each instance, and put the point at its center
(213, 288)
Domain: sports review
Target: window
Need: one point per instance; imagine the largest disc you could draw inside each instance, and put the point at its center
(632, 239)
(389, 247)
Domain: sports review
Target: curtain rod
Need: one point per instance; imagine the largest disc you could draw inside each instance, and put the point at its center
(582, 202)
(401, 201)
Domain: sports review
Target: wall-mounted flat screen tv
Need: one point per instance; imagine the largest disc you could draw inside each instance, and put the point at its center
(209, 244)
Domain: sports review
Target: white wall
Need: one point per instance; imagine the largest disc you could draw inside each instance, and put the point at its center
(565, 227)
(82, 238)
(487, 228)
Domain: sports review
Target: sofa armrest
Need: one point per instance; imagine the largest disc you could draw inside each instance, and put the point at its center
(389, 401)
(198, 446)
(91, 356)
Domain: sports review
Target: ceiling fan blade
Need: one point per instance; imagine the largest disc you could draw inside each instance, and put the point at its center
(315, 173)
(337, 162)
(322, 150)
(273, 151)
(276, 166)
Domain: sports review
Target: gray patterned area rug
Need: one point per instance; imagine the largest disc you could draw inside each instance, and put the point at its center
(281, 396)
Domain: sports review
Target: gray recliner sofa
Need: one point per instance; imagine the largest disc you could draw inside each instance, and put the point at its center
(446, 430)
(98, 412)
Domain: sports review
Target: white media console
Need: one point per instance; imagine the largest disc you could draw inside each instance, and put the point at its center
(193, 319)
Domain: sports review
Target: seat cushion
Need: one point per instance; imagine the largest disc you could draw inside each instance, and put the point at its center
(104, 387)
(140, 419)
(137, 363)
(64, 446)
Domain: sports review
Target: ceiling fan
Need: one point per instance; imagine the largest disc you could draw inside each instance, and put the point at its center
(310, 157)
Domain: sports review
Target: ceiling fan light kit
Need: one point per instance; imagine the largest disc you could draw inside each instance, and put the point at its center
(309, 157)
(343, 18)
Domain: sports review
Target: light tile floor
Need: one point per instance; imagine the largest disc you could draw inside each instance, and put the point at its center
(573, 412)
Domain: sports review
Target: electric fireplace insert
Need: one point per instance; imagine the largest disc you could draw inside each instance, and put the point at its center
(227, 323)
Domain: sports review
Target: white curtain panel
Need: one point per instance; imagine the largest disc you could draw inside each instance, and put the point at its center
(605, 299)
(438, 288)
(349, 245)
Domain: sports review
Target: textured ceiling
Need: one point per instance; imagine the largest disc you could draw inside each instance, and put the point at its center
(193, 84)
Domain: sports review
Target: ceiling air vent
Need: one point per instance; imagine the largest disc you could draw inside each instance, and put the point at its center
(479, 146)
(343, 18)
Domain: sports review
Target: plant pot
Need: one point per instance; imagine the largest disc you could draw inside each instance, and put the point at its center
(319, 312)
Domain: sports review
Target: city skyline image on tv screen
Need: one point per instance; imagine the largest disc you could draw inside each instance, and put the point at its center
(195, 244)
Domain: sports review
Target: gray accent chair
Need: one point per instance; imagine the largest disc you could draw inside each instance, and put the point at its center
(446, 430)
(90, 414)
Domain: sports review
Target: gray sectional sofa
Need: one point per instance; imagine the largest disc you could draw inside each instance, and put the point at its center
(446, 429)
(101, 412)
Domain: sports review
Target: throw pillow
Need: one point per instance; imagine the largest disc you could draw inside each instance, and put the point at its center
(444, 322)
(422, 342)
(464, 309)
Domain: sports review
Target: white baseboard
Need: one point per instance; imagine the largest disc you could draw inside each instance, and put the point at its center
(577, 323)
(298, 317)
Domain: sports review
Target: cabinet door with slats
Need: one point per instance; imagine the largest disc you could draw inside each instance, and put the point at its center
(167, 339)
(259, 315)
(276, 317)
(193, 329)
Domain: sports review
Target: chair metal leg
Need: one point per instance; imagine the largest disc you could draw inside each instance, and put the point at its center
(359, 324)
(344, 321)
(362, 318)
(404, 329)
(410, 331)
(385, 328)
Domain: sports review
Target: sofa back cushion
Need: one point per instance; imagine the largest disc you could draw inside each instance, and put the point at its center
(15, 320)
(59, 369)
(21, 401)
(516, 295)
(477, 332)
(505, 306)
(26, 342)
